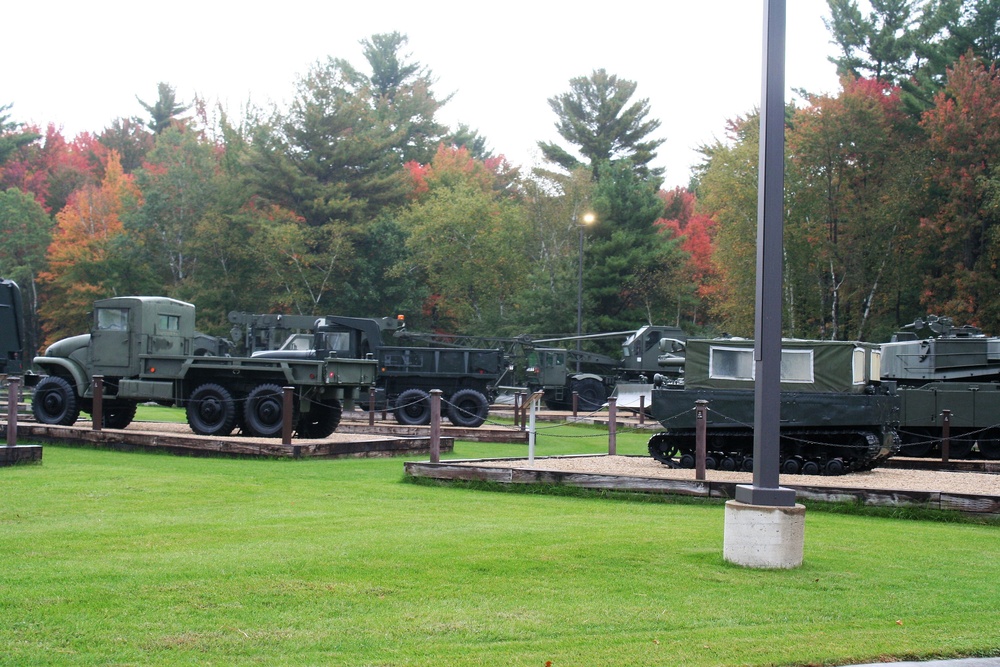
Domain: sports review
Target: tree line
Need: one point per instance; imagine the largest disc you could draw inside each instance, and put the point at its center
(356, 200)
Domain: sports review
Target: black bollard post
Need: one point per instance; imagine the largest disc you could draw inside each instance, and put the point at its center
(612, 426)
(13, 398)
(436, 425)
(98, 412)
(371, 406)
(287, 408)
(945, 435)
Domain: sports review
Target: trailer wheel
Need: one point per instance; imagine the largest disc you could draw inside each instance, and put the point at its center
(591, 394)
(468, 408)
(413, 408)
(263, 412)
(321, 420)
(55, 401)
(211, 410)
(119, 414)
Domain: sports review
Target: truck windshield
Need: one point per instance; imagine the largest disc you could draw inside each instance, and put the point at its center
(112, 319)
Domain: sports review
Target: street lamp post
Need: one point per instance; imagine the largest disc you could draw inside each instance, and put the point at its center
(588, 218)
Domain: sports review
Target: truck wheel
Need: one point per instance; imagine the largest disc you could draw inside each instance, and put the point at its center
(211, 410)
(321, 420)
(119, 415)
(468, 408)
(55, 401)
(263, 411)
(413, 408)
(592, 394)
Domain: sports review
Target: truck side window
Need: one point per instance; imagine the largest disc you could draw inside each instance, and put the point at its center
(169, 323)
(112, 319)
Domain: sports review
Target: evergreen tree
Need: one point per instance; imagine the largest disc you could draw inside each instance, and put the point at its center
(596, 117)
(626, 259)
(165, 110)
(11, 138)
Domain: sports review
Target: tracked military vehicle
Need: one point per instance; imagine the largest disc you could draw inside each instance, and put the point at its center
(938, 366)
(836, 414)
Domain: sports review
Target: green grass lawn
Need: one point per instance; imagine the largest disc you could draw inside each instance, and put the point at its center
(118, 558)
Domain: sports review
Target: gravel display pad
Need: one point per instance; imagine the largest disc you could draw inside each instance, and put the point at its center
(879, 478)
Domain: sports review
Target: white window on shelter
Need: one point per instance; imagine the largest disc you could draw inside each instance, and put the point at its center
(730, 363)
(797, 366)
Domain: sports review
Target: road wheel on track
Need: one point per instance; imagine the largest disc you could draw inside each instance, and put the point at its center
(264, 410)
(591, 394)
(810, 468)
(55, 402)
(468, 408)
(118, 414)
(211, 410)
(791, 467)
(413, 408)
(321, 420)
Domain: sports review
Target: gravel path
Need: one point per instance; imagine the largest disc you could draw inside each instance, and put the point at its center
(880, 478)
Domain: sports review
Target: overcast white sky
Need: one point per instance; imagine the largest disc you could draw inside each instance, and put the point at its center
(81, 64)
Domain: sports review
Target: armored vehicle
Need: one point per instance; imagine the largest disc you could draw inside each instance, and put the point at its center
(836, 414)
(146, 349)
(951, 368)
(468, 377)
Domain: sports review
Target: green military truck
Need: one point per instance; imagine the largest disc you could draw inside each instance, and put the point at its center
(559, 373)
(467, 377)
(11, 328)
(146, 349)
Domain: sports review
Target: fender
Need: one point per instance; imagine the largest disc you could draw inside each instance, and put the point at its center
(68, 369)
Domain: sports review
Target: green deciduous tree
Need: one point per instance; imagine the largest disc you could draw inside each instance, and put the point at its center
(597, 118)
(468, 242)
(26, 231)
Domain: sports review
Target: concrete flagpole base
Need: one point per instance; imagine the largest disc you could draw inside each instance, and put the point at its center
(764, 536)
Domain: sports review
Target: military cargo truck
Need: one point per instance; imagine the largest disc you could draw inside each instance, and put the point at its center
(468, 377)
(146, 349)
(837, 415)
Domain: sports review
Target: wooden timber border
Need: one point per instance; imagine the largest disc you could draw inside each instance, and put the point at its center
(198, 445)
(464, 470)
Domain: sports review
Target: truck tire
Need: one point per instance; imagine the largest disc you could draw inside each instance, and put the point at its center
(321, 420)
(55, 401)
(591, 394)
(264, 411)
(413, 408)
(119, 414)
(211, 410)
(468, 408)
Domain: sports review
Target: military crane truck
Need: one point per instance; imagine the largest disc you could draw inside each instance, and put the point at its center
(146, 349)
(647, 351)
(559, 373)
(468, 377)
